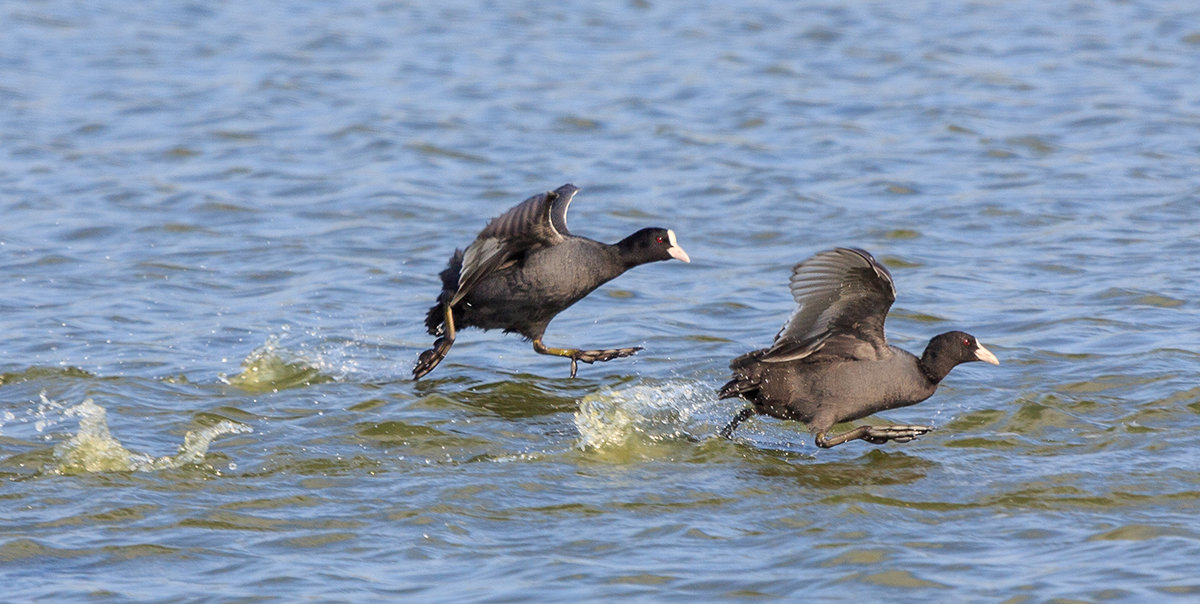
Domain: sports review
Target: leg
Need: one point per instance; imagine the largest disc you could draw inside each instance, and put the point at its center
(741, 416)
(876, 435)
(430, 358)
(587, 356)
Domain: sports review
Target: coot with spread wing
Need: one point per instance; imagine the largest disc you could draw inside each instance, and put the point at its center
(831, 362)
(525, 267)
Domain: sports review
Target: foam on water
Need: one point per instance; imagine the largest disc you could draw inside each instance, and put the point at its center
(94, 449)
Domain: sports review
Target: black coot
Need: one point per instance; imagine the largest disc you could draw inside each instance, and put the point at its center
(831, 362)
(525, 267)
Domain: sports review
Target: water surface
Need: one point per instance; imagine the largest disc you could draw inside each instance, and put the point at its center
(222, 226)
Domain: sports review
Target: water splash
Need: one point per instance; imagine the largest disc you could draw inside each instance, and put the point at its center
(271, 368)
(94, 449)
(639, 413)
(47, 413)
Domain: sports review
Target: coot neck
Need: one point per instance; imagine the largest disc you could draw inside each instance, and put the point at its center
(629, 253)
(933, 366)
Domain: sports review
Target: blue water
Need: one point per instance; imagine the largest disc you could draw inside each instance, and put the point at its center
(222, 224)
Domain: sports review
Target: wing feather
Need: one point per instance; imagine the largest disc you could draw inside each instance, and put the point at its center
(540, 221)
(843, 297)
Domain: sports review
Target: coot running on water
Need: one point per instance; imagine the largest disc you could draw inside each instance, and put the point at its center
(525, 267)
(831, 362)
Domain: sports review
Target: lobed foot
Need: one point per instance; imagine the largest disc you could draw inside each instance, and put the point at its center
(599, 356)
(430, 358)
(877, 435)
(587, 356)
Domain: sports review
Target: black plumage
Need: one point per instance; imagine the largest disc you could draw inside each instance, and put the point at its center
(831, 362)
(525, 267)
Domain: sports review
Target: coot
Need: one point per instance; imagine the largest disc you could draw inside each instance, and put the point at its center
(525, 267)
(831, 362)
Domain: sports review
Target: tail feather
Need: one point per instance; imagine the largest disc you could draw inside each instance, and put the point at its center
(737, 387)
(745, 376)
(747, 360)
(434, 320)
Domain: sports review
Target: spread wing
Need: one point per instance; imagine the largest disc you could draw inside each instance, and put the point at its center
(843, 296)
(539, 221)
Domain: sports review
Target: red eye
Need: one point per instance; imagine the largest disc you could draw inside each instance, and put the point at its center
(966, 342)
(659, 239)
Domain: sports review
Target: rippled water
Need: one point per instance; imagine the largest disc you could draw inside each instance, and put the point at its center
(222, 225)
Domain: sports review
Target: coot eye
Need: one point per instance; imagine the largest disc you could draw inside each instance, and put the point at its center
(660, 239)
(966, 342)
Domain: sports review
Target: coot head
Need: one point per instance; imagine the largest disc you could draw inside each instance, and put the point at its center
(951, 348)
(651, 245)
